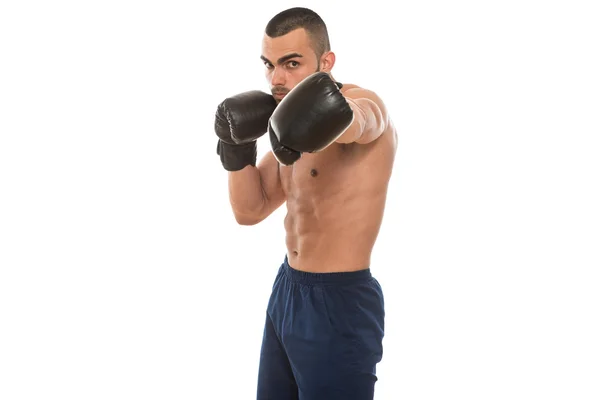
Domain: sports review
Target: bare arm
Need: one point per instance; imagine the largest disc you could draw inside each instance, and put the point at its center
(370, 117)
(255, 192)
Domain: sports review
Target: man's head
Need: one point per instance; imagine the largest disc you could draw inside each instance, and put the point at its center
(295, 45)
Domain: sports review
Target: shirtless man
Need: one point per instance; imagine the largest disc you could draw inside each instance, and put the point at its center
(333, 149)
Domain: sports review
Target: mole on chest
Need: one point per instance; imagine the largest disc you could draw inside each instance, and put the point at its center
(314, 172)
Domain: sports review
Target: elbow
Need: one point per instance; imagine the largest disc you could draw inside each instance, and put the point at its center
(245, 219)
(246, 213)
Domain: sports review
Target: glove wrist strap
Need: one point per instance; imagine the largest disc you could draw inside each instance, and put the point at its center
(235, 157)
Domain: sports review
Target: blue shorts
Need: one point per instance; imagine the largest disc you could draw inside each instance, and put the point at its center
(322, 337)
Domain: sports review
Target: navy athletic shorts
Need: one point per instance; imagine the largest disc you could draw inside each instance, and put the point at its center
(322, 337)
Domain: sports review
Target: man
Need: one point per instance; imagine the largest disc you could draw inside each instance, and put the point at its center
(333, 149)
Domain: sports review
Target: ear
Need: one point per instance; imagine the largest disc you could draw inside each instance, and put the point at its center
(327, 61)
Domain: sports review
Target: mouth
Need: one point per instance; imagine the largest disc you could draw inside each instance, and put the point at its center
(279, 95)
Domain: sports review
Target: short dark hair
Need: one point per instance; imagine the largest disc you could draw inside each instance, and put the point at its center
(300, 17)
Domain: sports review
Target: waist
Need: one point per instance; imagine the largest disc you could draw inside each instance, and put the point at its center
(338, 277)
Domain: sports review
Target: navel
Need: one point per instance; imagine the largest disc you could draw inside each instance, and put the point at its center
(314, 172)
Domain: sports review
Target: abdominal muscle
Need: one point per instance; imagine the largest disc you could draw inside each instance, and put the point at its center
(335, 206)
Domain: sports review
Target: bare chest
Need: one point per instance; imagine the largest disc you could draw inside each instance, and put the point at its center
(319, 174)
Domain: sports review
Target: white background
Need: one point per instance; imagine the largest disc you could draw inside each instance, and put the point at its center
(488, 256)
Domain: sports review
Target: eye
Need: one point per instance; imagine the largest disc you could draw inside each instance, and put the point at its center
(294, 64)
(268, 65)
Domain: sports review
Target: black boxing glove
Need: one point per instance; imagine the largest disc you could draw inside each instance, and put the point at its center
(283, 154)
(239, 121)
(309, 118)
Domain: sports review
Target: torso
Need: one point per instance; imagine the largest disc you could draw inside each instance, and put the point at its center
(335, 204)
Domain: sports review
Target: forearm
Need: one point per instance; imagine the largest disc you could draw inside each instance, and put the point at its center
(368, 124)
(356, 129)
(247, 195)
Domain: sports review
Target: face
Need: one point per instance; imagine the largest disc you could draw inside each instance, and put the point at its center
(289, 59)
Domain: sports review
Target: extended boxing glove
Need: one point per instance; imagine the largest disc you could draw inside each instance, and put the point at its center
(283, 154)
(309, 118)
(239, 121)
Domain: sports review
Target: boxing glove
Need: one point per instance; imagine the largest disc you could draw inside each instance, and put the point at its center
(239, 121)
(309, 118)
(283, 154)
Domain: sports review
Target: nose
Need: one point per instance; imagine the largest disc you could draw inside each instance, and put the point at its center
(278, 77)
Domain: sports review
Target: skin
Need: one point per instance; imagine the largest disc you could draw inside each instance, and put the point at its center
(335, 198)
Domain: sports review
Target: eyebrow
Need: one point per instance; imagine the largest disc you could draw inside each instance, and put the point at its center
(283, 59)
